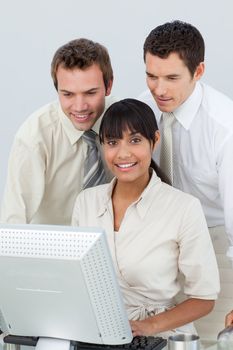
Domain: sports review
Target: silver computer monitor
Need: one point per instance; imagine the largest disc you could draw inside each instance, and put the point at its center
(59, 282)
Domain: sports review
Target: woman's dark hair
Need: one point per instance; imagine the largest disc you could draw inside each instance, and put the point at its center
(133, 115)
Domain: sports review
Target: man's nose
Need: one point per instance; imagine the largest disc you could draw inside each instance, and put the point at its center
(80, 104)
(160, 88)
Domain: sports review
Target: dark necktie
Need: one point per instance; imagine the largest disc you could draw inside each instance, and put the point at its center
(94, 173)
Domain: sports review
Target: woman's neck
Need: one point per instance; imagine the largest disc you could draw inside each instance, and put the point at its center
(131, 189)
(123, 195)
(128, 191)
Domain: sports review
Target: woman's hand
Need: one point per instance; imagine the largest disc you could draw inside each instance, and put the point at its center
(229, 319)
(185, 312)
(145, 327)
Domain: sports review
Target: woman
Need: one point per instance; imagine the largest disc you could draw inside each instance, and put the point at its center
(153, 230)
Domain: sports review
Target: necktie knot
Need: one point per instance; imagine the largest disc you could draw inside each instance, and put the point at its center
(89, 137)
(168, 120)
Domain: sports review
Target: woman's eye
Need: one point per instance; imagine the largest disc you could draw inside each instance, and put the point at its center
(136, 140)
(111, 142)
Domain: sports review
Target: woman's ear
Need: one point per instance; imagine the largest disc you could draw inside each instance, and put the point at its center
(157, 140)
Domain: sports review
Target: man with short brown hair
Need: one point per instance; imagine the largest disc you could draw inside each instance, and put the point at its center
(47, 160)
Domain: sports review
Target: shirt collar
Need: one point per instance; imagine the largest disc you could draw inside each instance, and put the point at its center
(187, 111)
(72, 133)
(148, 195)
(107, 196)
(142, 204)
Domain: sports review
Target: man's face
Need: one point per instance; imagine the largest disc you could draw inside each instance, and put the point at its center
(169, 80)
(82, 95)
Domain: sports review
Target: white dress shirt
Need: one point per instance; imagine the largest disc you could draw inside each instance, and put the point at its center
(162, 232)
(203, 152)
(45, 169)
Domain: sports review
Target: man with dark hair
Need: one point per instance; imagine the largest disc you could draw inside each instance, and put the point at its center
(196, 124)
(54, 155)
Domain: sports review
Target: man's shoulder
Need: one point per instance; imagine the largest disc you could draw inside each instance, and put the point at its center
(109, 100)
(146, 97)
(215, 95)
(39, 121)
(45, 115)
(218, 106)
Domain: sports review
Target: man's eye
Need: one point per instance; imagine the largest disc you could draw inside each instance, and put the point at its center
(151, 77)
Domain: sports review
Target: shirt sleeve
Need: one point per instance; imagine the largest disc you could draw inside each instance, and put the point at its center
(225, 171)
(25, 183)
(197, 259)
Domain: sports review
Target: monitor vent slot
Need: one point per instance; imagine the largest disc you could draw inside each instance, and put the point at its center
(41, 244)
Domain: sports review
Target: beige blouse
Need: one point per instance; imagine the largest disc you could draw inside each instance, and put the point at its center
(163, 232)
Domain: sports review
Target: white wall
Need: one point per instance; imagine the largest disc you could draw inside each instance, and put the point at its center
(31, 31)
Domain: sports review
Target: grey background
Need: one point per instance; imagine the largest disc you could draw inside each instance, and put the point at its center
(31, 31)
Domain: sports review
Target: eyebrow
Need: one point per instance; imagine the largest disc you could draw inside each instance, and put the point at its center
(150, 74)
(174, 75)
(92, 89)
(87, 91)
(133, 133)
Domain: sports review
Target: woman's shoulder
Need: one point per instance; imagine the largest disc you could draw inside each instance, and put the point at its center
(90, 200)
(94, 192)
(179, 195)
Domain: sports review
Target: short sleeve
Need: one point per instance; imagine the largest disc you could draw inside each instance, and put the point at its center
(197, 259)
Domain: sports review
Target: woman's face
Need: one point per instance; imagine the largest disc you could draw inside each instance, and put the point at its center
(129, 158)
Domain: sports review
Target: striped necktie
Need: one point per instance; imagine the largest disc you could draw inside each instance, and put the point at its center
(94, 173)
(166, 155)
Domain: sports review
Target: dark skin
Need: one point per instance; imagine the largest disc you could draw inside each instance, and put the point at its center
(185, 312)
(129, 150)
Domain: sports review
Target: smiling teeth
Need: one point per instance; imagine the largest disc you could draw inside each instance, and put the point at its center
(81, 116)
(125, 165)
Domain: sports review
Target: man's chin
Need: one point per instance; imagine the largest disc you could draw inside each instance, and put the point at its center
(83, 126)
(165, 109)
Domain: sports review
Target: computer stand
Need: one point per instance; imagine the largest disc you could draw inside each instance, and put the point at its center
(42, 343)
(52, 343)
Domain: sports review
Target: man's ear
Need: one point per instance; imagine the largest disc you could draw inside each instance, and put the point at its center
(157, 140)
(109, 88)
(199, 71)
